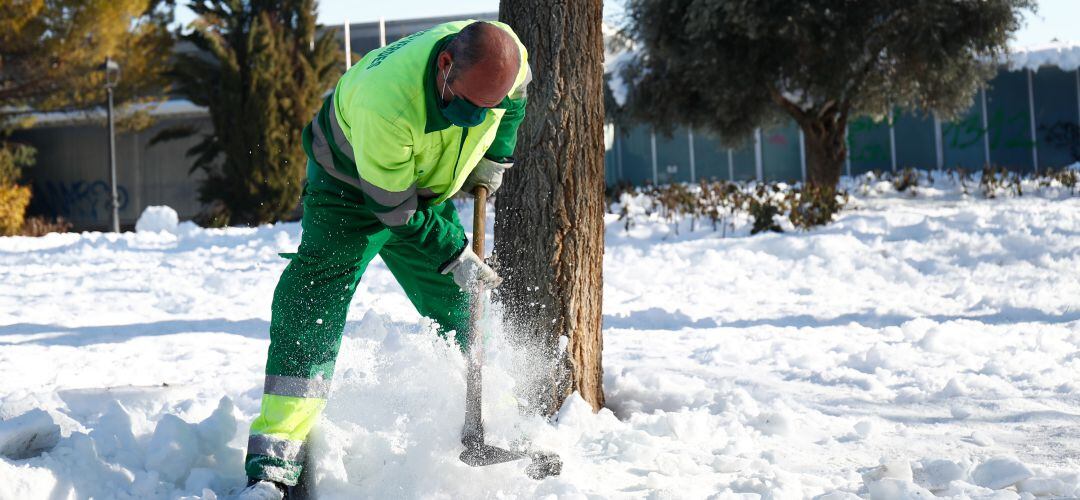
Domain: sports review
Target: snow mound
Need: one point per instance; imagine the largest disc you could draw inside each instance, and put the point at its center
(1000, 472)
(28, 435)
(156, 219)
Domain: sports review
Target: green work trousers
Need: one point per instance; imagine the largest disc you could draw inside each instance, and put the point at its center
(311, 301)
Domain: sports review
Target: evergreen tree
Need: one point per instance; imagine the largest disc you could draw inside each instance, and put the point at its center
(51, 52)
(733, 65)
(262, 70)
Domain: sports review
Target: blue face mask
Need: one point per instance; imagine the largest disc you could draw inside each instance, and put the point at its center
(459, 111)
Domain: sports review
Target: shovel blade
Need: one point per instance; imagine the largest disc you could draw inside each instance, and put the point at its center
(543, 464)
(479, 455)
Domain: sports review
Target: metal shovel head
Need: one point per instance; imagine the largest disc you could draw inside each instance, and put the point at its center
(543, 464)
(480, 454)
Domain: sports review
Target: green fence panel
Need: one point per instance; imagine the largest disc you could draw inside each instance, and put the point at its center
(868, 145)
(710, 157)
(916, 146)
(673, 156)
(962, 139)
(636, 152)
(744, 164)
(1056, 112)
(781, 154)
(1008, 121)
(611, 164)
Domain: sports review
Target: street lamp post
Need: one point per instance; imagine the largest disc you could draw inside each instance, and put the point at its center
(112, 77)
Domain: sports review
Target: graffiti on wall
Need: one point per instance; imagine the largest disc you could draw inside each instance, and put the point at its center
(1003, 131)
(860, 142)
(1064, 135)
(77, 199)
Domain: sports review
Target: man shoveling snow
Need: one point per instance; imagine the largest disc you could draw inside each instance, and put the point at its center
(406, 128)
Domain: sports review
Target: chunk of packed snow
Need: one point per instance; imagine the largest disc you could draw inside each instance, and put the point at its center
(954, 388)
(1044, 486)
(864, 428)
(981, 438)
(959, 412)
(155, 219)
(897, 489)
(28, 435)
(1000, 472)
(937, 474)
(890, 469)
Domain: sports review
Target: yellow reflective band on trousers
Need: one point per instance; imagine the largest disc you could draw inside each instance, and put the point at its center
(287, 417)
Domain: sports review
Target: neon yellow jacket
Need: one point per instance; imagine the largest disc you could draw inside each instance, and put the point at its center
(382, 131)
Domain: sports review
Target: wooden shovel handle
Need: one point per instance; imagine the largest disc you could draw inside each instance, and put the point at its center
(479, 220)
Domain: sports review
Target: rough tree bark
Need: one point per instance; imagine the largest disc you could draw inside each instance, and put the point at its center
(826, 150)
(826, 146)
(549, 232)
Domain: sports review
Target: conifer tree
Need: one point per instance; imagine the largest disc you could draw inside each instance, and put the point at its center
(261, 69)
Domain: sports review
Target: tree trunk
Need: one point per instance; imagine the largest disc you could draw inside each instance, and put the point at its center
(549, 231)
(826, 151)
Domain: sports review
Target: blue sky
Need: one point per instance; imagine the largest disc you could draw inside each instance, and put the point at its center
(1056, 18)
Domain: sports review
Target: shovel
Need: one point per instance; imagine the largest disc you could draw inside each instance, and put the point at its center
(478, 453)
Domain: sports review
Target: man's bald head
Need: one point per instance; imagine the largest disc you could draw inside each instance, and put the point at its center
(485, 62)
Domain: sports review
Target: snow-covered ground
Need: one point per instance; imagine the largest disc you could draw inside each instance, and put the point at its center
(916, 344)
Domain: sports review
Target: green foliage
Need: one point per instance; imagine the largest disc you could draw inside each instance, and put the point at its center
(50, 52)
(764, 213)
(261, 69)
(40, 226)
(13, 158)
(721, 202)
(906, 180)
(1066, 177)
(732, 65)
(815, 206)
(13, 202)
(998, 180)
(13, 198)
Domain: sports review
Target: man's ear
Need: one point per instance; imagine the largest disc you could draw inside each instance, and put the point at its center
(443, 60)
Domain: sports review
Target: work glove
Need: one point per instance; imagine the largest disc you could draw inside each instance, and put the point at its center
(488, 173)
(469, 270)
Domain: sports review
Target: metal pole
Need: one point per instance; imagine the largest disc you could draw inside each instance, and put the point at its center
(758, 167)
(348, 46)
(985, 127)
(1031, 114)
(693, 170)
(382, 32)
(892, 141)
(655, 178)
(939, 146)
(730, 164)
(114, 200)
(618, 150)
(802, 154)
(847, 157)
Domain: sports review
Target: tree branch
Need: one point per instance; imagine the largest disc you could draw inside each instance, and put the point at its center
(795, 111)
